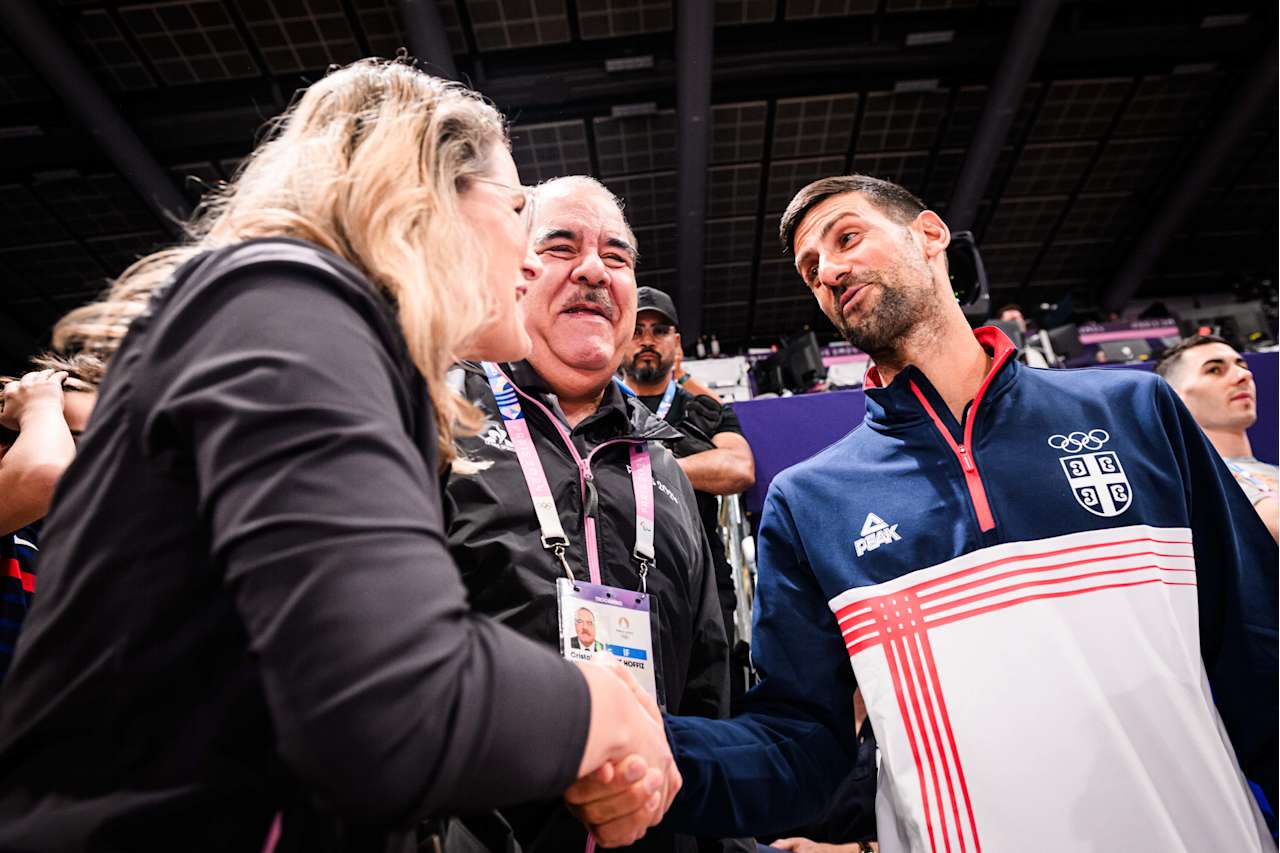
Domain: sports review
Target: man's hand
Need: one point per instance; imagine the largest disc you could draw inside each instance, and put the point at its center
(37, 394)
(705, 413)
(621, 798)
(618, 803)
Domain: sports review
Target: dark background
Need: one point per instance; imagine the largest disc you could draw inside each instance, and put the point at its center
(1124, 100)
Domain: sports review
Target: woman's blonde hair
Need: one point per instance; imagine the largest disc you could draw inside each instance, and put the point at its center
(368, 163)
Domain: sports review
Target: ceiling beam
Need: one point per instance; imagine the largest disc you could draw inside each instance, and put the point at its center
(695, 30)
(826, 65)
(763, 232)
(1077, 188)
(1026, 41)
(26, 25)
(1256, 93)
(185, 123)
(428, 40)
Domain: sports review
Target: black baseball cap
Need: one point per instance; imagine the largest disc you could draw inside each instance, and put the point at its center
(652, 299)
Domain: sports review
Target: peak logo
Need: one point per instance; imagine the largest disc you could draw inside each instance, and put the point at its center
(875, 532)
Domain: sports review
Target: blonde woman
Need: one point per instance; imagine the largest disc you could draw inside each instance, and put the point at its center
(249, 632)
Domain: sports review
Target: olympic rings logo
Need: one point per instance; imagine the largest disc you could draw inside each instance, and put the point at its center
(1077, 441)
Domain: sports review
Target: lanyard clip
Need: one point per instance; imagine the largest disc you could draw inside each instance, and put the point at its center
(644, 575)
(559, 547)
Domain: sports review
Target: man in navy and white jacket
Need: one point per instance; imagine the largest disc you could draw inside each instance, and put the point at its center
(1060, 609)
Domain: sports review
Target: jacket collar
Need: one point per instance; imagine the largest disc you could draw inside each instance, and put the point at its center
(896, 404)
(618, 415)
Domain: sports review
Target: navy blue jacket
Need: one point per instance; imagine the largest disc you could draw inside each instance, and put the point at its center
(1069, 548)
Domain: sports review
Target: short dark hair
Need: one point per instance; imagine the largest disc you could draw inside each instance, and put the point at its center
(1170, 357)
(893, 201)
(1012, 306)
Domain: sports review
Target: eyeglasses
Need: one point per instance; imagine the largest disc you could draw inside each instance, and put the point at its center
(522, 190)
(526, 209)
(584, 621)
(660, 331)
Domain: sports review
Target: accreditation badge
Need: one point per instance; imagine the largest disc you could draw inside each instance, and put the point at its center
(598, 620)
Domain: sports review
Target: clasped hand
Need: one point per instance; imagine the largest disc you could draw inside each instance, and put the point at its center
(621, 798)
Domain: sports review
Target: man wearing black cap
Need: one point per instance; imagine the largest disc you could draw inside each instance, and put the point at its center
(713, 453)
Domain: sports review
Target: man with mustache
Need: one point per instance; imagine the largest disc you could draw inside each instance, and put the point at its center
(713, 454)
(1059, 608)
(1215, 383)
(587, 477)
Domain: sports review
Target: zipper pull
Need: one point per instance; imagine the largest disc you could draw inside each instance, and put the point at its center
(593, 500)
(965, 461)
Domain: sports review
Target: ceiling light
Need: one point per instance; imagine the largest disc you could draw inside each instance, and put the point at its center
(1212, 21)
(930, 37)
(21, 131)
(629, 63)
(1195, 68)
(55, 175)
(623, 110)
(916, 86)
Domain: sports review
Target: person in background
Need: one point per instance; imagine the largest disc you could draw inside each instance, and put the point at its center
(1012, 313)
(713, 454)
(43, 412)
(250, 634)
(42, 415)
(1029, 352)
(1215, 383)
(589, 441)
(691, 382)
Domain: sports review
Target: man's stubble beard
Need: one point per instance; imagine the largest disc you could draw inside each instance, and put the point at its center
(646, 375)
(900, 311)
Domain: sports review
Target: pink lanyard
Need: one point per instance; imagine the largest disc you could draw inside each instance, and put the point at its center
(535, 479)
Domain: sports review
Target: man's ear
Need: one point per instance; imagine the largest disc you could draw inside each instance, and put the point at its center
(934, 234)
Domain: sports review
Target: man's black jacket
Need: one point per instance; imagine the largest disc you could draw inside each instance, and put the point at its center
(700, 419)
(494, 537)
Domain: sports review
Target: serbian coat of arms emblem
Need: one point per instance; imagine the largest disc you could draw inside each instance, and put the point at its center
(1096, 477)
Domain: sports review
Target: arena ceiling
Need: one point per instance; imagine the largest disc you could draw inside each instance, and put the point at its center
(1121, 111)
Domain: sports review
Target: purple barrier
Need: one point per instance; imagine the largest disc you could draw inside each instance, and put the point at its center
(787, 430)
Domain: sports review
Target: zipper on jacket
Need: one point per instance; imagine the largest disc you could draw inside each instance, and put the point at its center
(590, 506)
(593, 498)
(972, 477)
(591, 501)
(586, 483)
(964, 448)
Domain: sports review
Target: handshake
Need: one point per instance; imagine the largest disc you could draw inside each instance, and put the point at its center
(627, 776)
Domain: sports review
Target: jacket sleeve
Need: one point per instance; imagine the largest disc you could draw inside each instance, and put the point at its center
(388, 697)
(706, 691)
(1236, 585)
(775, 764)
